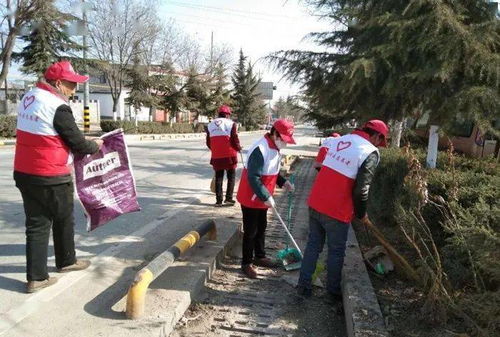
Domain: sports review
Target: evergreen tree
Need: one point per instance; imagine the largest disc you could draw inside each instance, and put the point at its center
(393, 59)
(219, 93)
(197, 93)
(289, 107)
(48, 41)
(247, 103)
(139, 85)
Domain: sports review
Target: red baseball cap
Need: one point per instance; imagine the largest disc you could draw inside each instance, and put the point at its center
(335, 135)
(225, 109)
(380, 127)
(285, 129)
(63, 70)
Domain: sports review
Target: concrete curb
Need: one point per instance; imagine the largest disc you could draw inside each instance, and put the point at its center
(180, 287)
(362, 311)
(165, 136)
(5, 142)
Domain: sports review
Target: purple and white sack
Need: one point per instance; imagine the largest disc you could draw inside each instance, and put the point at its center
(104, 181)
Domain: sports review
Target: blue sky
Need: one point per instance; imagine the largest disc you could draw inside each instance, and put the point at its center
(259, 27)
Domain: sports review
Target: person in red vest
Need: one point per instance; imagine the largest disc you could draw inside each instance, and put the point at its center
(47, 135)
(222, 140)
(323, 150)
(255, 193)
(340, 193)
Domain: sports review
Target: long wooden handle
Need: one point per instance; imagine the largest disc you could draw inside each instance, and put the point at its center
(401, 261)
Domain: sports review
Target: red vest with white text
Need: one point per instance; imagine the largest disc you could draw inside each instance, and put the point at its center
(270, 171)
(331, 193)
(220, 134)
(324, 149)
(39, 149)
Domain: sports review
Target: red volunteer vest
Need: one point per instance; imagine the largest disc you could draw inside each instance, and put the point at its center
(219, 131)
(331, 193)
(324, 149)
(270, 171)
(39, 149)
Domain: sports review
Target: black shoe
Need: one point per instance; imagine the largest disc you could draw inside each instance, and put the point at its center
(230, 202)
(334, 298)
(336, 301)
(304, 292)
(218, 204)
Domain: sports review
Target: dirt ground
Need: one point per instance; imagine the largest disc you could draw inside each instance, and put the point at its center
(401, 302)
(269, 306)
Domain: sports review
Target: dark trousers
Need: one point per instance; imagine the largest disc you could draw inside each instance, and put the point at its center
(254, 228)
(219, 178)
(335, 232)
(46, 207)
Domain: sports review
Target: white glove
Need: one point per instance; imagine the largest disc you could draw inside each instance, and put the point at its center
(289, 187)
(270, 202)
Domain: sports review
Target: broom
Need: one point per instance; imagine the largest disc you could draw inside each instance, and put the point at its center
(291, 257)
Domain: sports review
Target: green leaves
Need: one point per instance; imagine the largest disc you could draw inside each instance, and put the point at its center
(387, 58)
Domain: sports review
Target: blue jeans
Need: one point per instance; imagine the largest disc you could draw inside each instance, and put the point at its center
(321, 225)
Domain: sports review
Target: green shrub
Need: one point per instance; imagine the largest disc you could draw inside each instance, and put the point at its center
(151, 127)
(462, 214)
(8, 126)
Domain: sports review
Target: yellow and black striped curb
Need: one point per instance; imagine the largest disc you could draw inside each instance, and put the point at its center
(137, 292)
(7, 142)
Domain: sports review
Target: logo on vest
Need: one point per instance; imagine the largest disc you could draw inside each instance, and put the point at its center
(28, 100)
(218, 122)
(343, 145)
(101, 166)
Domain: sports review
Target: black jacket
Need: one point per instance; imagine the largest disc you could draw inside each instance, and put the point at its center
(362, 184)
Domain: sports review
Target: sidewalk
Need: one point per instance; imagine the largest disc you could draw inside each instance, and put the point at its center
(237, 306)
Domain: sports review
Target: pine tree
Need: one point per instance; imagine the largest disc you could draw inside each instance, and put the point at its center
(48, 41)
(219, 93)
(247, 103)
(140, 86)
(392, 59)
(197, 93)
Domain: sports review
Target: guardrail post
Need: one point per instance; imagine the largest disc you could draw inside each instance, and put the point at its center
(136, 296)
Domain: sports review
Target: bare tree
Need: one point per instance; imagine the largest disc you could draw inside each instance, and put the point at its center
(116, 27)
(15, 14)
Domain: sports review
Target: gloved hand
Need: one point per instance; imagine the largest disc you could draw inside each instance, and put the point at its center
(289, 187)
(270, 202)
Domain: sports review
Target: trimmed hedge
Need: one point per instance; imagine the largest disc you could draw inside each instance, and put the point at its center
(8, 126)
(151, 127)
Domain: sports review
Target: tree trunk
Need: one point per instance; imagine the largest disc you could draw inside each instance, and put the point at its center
(7, 54)
(396, 133)
(115, 104)
(432, 149)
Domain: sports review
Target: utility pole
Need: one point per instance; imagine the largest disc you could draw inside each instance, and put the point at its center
(86, 91)
(6, 103)
(212, 52)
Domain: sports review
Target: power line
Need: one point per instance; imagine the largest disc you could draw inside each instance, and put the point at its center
(242, 13)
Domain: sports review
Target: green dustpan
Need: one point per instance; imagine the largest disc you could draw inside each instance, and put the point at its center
(291, 258)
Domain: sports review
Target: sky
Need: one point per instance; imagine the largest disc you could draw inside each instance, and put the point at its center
(259, 27)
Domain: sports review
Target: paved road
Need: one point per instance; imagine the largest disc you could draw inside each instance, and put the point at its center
(169, 175)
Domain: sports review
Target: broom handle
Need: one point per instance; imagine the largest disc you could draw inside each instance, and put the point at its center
(242, 161)
(287, 231)
(410, 272)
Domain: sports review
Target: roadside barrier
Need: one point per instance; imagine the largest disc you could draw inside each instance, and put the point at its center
(136, 296)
